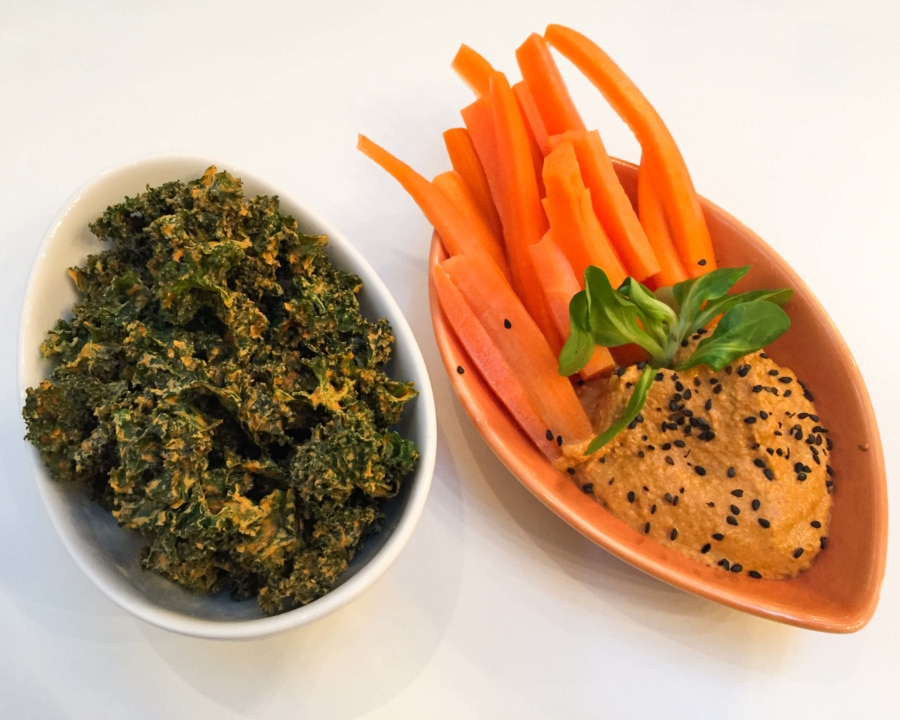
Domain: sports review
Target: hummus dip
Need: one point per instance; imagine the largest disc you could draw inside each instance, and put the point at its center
(728, 467)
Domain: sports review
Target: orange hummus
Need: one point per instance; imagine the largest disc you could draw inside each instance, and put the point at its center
(729, 467)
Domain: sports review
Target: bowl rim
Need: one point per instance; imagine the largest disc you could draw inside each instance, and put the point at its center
(554, 490)
(186, 166)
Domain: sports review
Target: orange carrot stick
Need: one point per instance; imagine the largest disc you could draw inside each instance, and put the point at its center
(464, 160)
(653, 220)
(572, 219)
(560, 284)
(478, 118)
(613, 207)
(474, 69)
(537, 155)
(524, 222)
(532, 116)
(522, 344)
(551, 96)
(457, 232)
(675, 189)
(508, 385)
(452, 185)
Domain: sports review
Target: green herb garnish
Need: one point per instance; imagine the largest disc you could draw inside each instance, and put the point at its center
(660, 322)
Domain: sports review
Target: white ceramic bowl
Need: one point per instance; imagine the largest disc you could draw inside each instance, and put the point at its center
(107, 553)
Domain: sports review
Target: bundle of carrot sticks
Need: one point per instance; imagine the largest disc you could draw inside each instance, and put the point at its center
(533, 199)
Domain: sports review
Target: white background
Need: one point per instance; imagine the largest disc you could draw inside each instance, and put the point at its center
(788, 116)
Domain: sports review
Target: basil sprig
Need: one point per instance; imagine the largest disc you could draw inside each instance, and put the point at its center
(660, 322)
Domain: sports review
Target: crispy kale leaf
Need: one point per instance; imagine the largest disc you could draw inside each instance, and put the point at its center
(218, 389)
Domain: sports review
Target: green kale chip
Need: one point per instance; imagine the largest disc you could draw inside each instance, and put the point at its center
(217, 389)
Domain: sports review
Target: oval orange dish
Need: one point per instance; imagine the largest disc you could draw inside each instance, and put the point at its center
(840, 592)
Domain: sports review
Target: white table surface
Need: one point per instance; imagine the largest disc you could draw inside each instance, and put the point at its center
(788, 115)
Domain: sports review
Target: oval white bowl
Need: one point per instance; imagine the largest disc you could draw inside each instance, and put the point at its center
(107, 553)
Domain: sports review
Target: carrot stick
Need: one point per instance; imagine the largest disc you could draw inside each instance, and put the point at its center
(509, 386)
(537, 155)
(532, 116)
(546, 84)
(522, 215)
(675, 189)
(572, 219)
(653, 220)
(464, 160)
(474, 70)
(457, 232)
(522, 344)
(560, 284)
(613, 207)
(478, 118)
(452, 185)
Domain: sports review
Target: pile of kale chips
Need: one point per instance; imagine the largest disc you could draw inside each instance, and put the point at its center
(218, 390)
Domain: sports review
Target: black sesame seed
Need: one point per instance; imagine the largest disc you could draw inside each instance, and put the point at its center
(724, 563)
(717, 389)
(738, 493)
(743, 370)
(700, 470)
(701, 262)
(708, 405)
(673, 534)
(736, 568)
(707, 435)
(788, 393)
(801, 476)
(731, 520)
(706, 548)
(559, 440)
(816, 524)
(735, 510)
(769, 474)
(785, 379)
(757, 388)
(646, 528)
(750, 419)
(797, 553)
(731, 472)
(653, 509)
(763, 523)
(763, 414)
(587, 488)
(460, 369)
(679, 443)
(507, 324)
(549, 434)
(687, 394)
(669, 460)
(659, 376)
(755, 504)
(754, 574)
(759, 462)
(571, 471)
(718, 536)
(630, 496)
(823, 542)
(667, 446)
(773, 372)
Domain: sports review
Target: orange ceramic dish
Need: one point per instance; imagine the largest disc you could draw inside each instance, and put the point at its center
(839, 593)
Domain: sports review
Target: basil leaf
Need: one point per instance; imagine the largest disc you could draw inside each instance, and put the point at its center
(743, 329)
(614, 317)
(661, 315)
(579, 346)
(691, 294)
(632, 410)
(724, 304)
